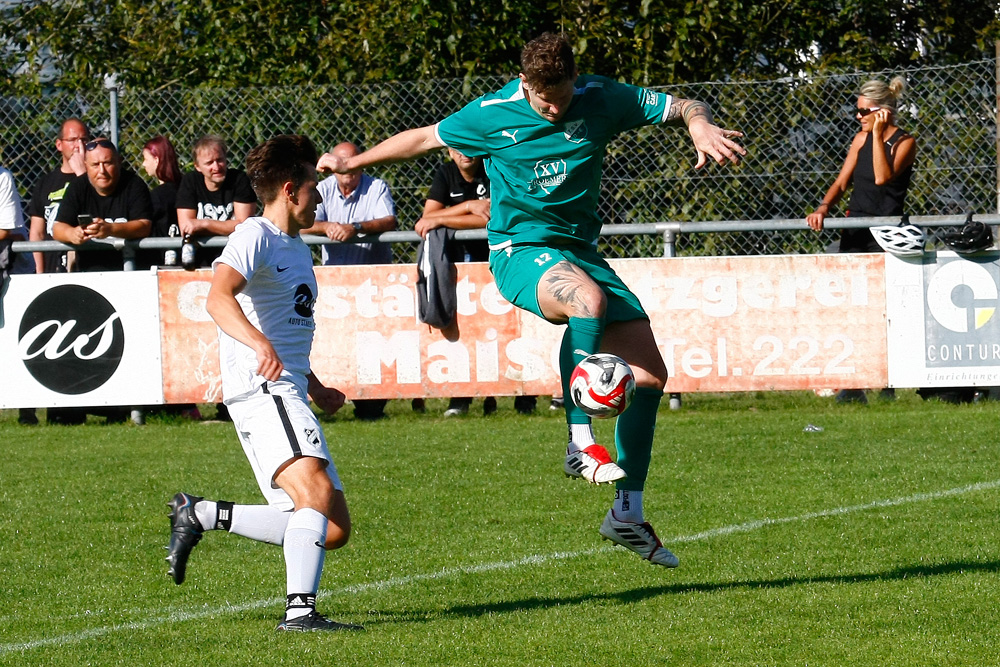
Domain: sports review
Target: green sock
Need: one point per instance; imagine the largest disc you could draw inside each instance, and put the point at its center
(634, 437)
(581, 339)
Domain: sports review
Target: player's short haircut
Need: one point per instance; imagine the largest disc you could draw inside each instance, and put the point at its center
(209, 141)
(547, 61)
(287, 157)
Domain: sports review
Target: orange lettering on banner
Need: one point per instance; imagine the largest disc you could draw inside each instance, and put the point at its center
(722, 324)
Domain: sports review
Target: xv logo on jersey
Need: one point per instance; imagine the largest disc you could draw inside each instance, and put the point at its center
(549, 174)
(576, 131)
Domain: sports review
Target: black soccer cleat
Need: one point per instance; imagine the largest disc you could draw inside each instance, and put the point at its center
(185, 533)
(314, 622)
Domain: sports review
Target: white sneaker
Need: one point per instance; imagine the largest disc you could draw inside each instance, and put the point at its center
(638, 537)
(593, 464)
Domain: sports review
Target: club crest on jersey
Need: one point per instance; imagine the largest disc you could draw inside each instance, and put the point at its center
(649, 98)
(576, 131)
(549, 174)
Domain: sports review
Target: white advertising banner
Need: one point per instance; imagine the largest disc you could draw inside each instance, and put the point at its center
(80, 340)
(943, 326)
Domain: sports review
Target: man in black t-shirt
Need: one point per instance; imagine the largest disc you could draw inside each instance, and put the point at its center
(213, 199)
(459, 198)
(116, 200)
(50, 189)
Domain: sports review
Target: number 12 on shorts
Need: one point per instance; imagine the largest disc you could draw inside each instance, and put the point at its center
(543, 259)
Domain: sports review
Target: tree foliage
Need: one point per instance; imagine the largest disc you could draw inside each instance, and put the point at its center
(70, 44)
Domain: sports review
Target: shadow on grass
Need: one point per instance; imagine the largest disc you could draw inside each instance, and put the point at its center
(640, 594)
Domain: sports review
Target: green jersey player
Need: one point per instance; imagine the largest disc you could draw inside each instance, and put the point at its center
(543, 137)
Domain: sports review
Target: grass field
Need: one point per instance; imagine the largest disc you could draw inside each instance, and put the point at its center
(873, 542)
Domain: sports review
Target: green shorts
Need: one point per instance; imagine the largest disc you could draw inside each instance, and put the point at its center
(517, 270)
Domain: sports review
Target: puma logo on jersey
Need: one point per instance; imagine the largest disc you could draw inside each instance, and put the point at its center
(511, 135)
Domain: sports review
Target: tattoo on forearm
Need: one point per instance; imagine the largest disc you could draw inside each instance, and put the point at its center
(687, 110)
(563, 282)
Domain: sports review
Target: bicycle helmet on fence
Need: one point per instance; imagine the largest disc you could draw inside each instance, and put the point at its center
(971, 237)
(902, 240)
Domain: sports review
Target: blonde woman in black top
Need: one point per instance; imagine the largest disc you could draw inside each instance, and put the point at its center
(880, 177)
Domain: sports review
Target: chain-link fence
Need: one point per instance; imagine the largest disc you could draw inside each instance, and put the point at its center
(797, 133)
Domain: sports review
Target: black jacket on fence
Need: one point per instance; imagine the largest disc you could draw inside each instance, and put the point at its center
(437, 301)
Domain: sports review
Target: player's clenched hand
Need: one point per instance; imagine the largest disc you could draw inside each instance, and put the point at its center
(330, 163)
(328, 399)
(269, 366)
(711, 141)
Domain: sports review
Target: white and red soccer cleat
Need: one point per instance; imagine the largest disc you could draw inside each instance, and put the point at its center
(593, 464)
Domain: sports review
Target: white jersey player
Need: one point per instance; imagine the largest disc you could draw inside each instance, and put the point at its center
(262, 298)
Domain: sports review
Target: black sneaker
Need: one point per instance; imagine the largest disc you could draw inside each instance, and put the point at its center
(185, 533)
(314, 622)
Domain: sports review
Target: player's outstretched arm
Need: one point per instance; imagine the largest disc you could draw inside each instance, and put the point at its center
(710, 140)
(328, 399)
(397, 148)
(221, 304)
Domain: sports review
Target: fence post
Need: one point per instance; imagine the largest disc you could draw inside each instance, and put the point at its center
(111, 85)
(996, 83)
(669, 243)
(670, 250)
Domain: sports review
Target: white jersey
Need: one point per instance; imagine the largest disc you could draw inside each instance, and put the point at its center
(11, 216)
(278, 299)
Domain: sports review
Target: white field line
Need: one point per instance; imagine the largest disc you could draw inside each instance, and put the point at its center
(540, 559)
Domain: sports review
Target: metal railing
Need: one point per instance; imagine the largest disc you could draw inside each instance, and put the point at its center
(670, 234)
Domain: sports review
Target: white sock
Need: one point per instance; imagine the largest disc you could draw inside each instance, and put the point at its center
(304, 537)
(206, 511)
(260, 522)
(581, 436)
(628, 506)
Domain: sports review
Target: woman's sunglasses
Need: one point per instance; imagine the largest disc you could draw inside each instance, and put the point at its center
(865, 112)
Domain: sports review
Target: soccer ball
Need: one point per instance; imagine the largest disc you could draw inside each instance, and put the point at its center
(602, 385)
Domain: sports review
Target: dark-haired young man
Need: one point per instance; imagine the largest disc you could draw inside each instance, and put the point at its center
(262, 298)
(544, 137)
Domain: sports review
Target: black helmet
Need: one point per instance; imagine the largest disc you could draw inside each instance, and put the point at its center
(971, 237)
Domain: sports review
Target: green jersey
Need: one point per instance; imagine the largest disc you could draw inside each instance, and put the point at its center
(545, 176)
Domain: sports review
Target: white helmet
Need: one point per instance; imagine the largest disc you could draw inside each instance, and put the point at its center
(903, 240)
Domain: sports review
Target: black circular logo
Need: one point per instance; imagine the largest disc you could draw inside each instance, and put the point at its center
(71, 339)
(304, 301)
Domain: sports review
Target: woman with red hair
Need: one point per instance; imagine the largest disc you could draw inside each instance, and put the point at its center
(159, 160)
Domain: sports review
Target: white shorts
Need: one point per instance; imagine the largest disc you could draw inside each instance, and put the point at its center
(275, 425)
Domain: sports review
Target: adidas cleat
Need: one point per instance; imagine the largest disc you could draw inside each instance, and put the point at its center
(314, 622)
(185, 533)
(638, 537)
(594, 465)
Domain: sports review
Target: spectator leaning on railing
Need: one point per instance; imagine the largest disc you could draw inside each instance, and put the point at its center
(877, 169)
(108, 202)
(355, 205)
(50, 190)
(213, 199)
